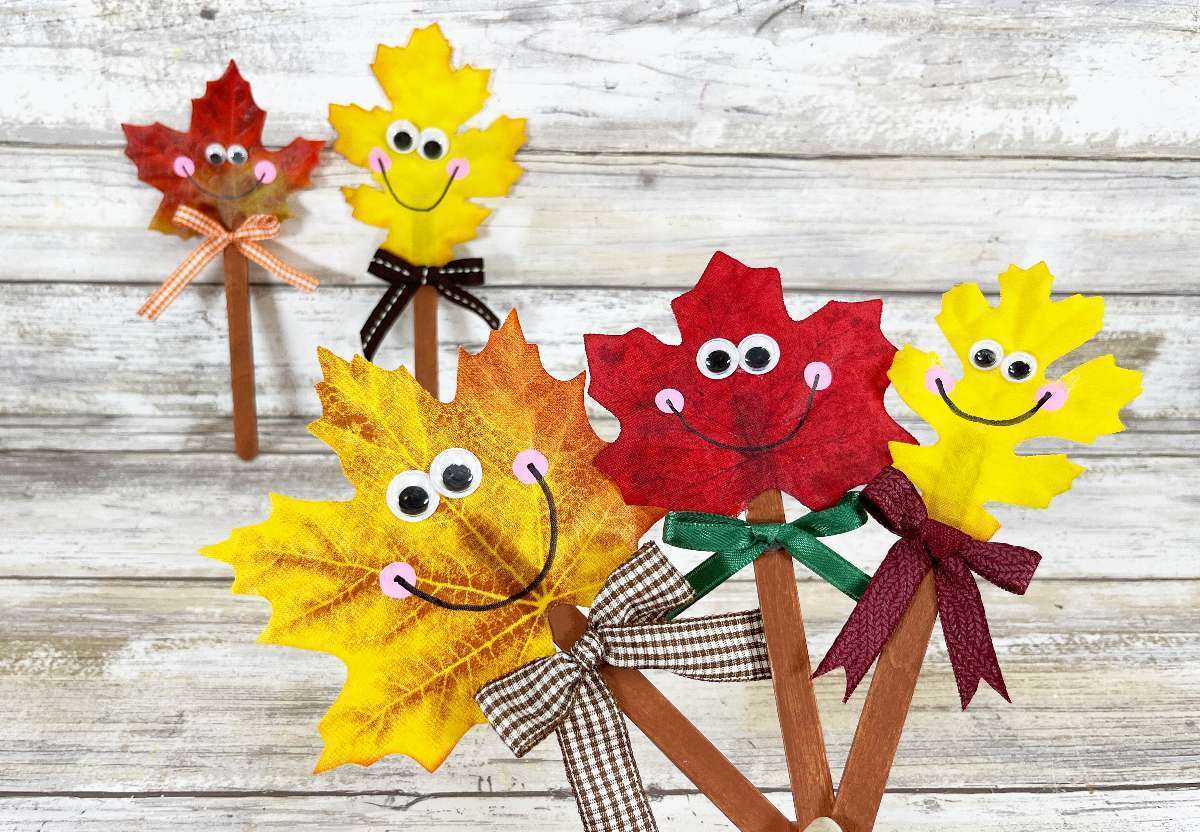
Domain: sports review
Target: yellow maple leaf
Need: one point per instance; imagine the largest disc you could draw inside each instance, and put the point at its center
(426, 169)
(1004, 398)
(326, 566)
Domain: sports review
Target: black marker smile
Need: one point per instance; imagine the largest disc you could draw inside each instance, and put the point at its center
(519, 594)
(754, 449)
(225, 197)
(403, 204)
(998, 423)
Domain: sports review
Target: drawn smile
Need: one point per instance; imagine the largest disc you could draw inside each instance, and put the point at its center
(519, 594)
(999, 423)
(403, 204)
(752, 449)
(225, 197)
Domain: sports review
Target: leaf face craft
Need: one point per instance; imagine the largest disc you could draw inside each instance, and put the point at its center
(425, 168)
(219, 166)
(1005, 398)
(750, 400)
(445, 500)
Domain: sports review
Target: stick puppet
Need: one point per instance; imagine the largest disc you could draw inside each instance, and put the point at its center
(218, 180)
(1003, 399)
(426, 170)
(749, 404)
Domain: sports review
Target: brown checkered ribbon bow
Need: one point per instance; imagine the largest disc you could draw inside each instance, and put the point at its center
(405, 278)
(256, 227)
(565, 693)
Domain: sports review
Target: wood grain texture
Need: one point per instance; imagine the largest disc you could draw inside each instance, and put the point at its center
(240, 338)
(650, 219)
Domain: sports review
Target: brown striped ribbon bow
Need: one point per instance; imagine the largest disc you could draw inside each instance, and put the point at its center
(566, 694)
(256, 227)
(926, 544)
(405, 278)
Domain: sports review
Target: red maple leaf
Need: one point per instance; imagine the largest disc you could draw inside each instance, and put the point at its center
(800, 410)
(219, 166)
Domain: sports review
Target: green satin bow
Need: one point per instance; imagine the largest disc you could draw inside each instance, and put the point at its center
(737, 543)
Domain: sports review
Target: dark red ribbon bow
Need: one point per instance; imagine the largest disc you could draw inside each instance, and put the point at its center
(926, 544)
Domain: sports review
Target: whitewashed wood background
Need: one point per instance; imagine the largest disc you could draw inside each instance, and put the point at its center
(866, 148)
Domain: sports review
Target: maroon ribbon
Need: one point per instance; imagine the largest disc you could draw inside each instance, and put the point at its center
(926, 544)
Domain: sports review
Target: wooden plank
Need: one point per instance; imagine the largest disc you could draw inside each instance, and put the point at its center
(1160, 809)
(653, 220)
(813, 78)
(78, 350)
(158, 686)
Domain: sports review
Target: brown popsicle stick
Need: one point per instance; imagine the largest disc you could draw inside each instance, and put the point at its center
(425, 338)
(884, 712)
(791, 672)
(241, 353)
(683, 744)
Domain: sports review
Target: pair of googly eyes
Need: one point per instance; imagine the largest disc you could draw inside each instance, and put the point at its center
(1015, 367)
(217, 154)
(430, 143)
(414, 495)
(719, 358)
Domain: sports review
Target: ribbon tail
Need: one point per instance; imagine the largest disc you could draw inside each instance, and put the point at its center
(458, 295)
(711, 573)
(285, 272)
(197, 259)
(877, 615)
(598, 756)
(829, 565)
(383, 316)
(965, 627)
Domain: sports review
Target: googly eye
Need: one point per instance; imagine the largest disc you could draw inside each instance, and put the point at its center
(759, 354)
(986, 354)
(1018, 367)
(237, 154)
(433, 144)
(411, 496)
(456, 472)
(717, 358)
(215, 154)
(402, 136)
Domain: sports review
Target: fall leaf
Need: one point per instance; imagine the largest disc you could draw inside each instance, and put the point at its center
(1005, 351)
(741, 430)
(424, 166)
(219, 166)
(413, 668)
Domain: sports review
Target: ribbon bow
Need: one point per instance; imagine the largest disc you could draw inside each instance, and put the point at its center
(405, 279)
(737, 543)
(926, 544)
(256, 227)
(565, 693)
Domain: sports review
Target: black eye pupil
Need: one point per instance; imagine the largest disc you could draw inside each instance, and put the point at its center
(984, 358)
(215, 158)
(457, 477)
(413, 500)
(718, 361)
(1019, 370)
(433, 149)
(758, 357)
(402, 141)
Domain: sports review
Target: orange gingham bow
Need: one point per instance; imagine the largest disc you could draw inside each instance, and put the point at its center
(256, 227)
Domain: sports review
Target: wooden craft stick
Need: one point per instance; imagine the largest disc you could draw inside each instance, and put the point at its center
(683, 744)
(791, 672)
(241, 353)
(425, 338)
(884, 712)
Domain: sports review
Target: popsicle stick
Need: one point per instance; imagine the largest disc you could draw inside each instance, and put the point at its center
(791, 672)
(884, 712)
(241, 353)
(683, 744)
(425, 338)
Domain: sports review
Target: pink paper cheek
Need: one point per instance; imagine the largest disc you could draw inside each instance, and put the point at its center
(935, 374)
(378, 160)
(818, 375)
(458, 168)
(1058, 395)
(183, 167)
(387, 580)
(265, 172)
(520, 466)
(667, 398)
